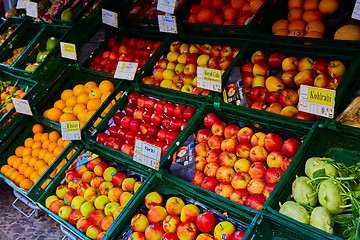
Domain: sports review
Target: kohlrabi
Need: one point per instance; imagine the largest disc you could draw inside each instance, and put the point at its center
(295, 211)
(303, 192)
(315, 163)
(321, 218)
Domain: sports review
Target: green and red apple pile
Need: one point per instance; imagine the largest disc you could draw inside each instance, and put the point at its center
(178, 69)
(127, 49)
(241, 164)
(93, 196)
(272, 82)
(177, 220)
(153, 121)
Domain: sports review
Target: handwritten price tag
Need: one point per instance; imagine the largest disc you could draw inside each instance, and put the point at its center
(167, 24)
(209, 79)
(68, 50)
(22, 106)
(147, 154)
(356, 11)
(110, 18)
(167, 6)
(126, 70)
(319, 101)
(32, 9)
(70, 130)
(21, 4)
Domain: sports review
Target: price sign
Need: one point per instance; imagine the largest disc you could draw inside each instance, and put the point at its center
(68, 50)
(70, 130)
(209, 79)
(110, 18)
(126, 70)
(147, 154)
(85, 158)
(167, 6)
(21, 4)
(22, 106)
(167, 24)
(32, 9)
(356, 11)
(319, 101)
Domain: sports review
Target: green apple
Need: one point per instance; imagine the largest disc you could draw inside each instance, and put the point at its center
(109, 173)
(77, 202)
(111, 207)
(87, 208)
(64, 212)
(50, 43)
(67, 15)
(101, 201)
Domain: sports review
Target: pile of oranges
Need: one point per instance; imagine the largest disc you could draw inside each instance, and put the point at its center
(34, 157)
(7, 93)
(305, 18)
(224, 12)
(81, 102)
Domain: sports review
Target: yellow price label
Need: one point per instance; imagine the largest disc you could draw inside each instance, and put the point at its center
(321, 96)
(73, 126)
(70, 48)
(212, 75)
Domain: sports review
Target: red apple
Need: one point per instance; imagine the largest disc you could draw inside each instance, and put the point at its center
(258, 56)
(256, 186)
(288, 97)
(239, 196)
(215, 141)
(257, 170)
(336, 68)
(245, 134)
(273, 175)
(321, 65)
(276, 59)
(290, 147)
(267, 190)
(209, 183)
(255, 201)
(210, 119)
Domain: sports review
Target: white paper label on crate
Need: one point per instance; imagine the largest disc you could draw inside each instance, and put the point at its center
(110, 18)
(356, 11)
(22, 106)
(21, 4)
(126, 70)
(147, 154)
(32, 9)
(68, 50)
(315, 100)
(167, 24)
(70, 130)
(209, 79)
(167, 6)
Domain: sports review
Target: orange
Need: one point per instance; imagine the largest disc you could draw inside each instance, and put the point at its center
(104, 96)
(66, 117)
(18, 93)
(52, 146)
(66, 142)
(78, 89)
(89, 85)
(4, 169)
(32, 161)
(26, 151)
(19, 179)
(206, 15)
(206, 3)
(35, 152)
(28, 142)
(255, 5)
(37, 137)
(295, 13)
(9, 171)
(42, 153)
(82, 115)
(297, 25)
(107, 86)
(328, 7)
(280, 24)
(66, 94)
(37, 128)
(230, 22)
(54, 114)
(192, 19)
(89, 114)
(71, 101)
(36, 144)
(58, 150)
(68, 110)
(230, 13)
(195, 9)
(17, 163)
(312, 15)
(93, 104)
(60, 142)
(44, 137)
(10, 160)
(19, 150)
(60, 104)
(218, 19)
(82, 124)
(14, 175)
(218, 4)
(313, 34)
(46, 113)
(42, 170)
(315, 26)
(237, 4)
(54, 136)
(49, 158)
(23, 167)
(26, 184)
(83, 98)
(39, 164)
(46, 144)
(295, 4)
(296, 33)
(34, 176)
(78, 108)
(9, 106)
(310, 5)
(242, 19)
(26, 159)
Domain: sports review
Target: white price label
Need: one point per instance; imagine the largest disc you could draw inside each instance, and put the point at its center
(167, 6)
(21, 4)
(22, 106)
(319, 101)
(126, 70)
(70, 130)
(68, 50)
(110, 18)
(147, 154)
(32, 9)
(209, 79)
(356, 11)
(167, 24)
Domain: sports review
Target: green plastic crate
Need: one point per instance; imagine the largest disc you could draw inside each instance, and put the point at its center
(149, 69)
(35, 92)
(15, 23)
(169, 186)
(333, 22)
(344, 91)
(17, 139)
(242, 118)
(129, 169)
(120, 105)
(327, 139)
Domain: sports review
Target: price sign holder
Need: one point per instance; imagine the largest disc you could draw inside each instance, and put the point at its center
(356, 11)
(22, 106)
(110, 18)
(167, 6)
(147, 154)
(32, 9)
(209, 79)
(126, 70)
(70, 130)
(315, 100)
(21, 4)
(85, 158)
(68, 50)
(167, 24)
